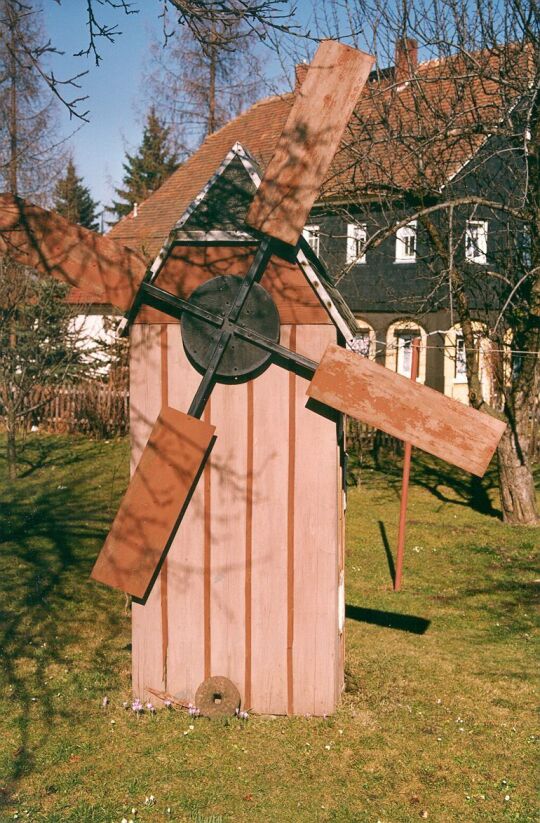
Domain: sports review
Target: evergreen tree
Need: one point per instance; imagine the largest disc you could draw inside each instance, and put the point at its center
(72, 199)
(146, 170)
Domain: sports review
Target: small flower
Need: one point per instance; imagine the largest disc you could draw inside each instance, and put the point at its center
(137, 706)
(150, 800)
(507, 797)
(150, 707)
(167, 703)
(105, 702)
(125, 704)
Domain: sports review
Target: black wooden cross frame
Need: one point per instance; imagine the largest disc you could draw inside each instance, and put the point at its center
(170, 304)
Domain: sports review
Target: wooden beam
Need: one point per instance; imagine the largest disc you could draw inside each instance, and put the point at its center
(312, 133)
(417, 414)
(155, 502)
(51, 244)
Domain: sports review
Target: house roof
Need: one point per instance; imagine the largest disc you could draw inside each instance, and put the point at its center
(438, 107)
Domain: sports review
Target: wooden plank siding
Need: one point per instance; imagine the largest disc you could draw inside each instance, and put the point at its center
(145, 405)
(231, 602)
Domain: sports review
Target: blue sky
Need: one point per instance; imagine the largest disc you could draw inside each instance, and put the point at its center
(99, 146)
(113, 88)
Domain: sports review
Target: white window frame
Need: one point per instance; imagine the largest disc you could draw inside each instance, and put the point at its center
(312, 235)
(404, 343)
(476, 234)
(460, 367)
(404, 236)
(356, 240)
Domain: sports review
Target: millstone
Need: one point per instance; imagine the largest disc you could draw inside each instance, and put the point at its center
(217, 697)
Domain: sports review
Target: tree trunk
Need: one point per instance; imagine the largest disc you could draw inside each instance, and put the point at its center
(211, 123)
(516, 481)
(11, 447)
(13, 115)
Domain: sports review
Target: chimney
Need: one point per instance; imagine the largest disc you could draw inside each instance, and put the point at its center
(300, 71)
(406, 59)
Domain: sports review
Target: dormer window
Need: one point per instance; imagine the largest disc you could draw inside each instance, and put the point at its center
(406, 243)
(356, 240)
(476, 241)
(312, 233)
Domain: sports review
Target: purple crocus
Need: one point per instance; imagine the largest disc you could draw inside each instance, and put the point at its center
(137, 706)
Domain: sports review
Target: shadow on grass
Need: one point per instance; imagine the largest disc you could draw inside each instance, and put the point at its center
(55, 519)
(388, 551)
(389, 620)
(447, 484)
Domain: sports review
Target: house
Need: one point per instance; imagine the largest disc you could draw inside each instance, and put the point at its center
(395, 289)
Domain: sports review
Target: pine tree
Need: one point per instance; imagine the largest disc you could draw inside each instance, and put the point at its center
(72, 199)
(146, 170)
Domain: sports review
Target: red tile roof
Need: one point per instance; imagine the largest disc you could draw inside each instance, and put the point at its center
(437, 110)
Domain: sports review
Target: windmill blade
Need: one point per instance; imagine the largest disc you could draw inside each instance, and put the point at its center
(155, 502)
(44, 240)
(307, 145)
(417, 414)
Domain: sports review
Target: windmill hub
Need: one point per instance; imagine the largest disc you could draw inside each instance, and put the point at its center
(241, 359)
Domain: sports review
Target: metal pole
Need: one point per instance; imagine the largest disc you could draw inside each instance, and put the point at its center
(405, 480)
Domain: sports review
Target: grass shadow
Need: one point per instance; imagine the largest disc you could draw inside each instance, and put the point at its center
(388, 551)
(389, 620)
(55, 519)
(445, 483)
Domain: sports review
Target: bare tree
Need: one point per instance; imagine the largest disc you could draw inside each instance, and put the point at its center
(30, 151)
(449, 136)
(197, 85)
(266, 19)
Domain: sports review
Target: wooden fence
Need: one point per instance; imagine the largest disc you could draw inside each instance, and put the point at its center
(95, 408)
(102, 410)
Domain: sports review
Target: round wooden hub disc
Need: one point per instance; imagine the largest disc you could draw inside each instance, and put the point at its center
(217, 697)
(241, 360)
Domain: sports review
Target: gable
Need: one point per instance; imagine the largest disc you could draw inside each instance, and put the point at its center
(211, 239)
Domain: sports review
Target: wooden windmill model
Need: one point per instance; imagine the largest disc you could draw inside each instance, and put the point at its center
(235, 562)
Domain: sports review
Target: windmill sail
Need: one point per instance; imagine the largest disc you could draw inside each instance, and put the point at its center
(154, 503)
(410, 411)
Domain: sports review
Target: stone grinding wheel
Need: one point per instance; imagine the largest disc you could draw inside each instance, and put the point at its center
(217, 697)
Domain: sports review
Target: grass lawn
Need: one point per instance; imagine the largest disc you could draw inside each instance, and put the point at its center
(437, 721)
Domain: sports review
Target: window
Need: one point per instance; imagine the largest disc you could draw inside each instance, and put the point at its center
(476, 241)
(356, 240)
(406, 243)
(311, 233)
(404, 341)
(361, 343)
(460, 375)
